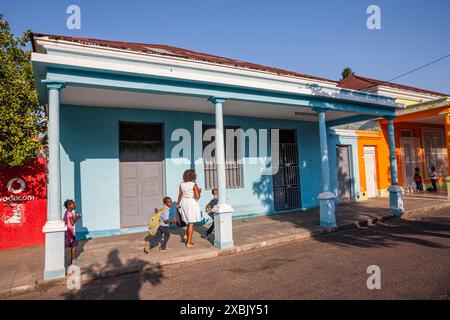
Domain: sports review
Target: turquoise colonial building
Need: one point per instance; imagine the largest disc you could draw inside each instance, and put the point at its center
(126, 120)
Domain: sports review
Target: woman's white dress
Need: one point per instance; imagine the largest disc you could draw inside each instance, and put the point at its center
(190, 210)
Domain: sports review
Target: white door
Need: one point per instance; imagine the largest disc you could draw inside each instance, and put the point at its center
(371, 177)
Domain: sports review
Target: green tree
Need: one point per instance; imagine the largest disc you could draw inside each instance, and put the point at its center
(22, 124)
(346, 73)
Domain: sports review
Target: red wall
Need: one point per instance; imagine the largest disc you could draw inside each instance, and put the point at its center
(23, 206)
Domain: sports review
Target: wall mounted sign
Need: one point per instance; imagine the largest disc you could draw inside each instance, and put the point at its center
(22, 204)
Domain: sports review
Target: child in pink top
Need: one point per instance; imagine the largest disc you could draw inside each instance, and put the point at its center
(70, 218)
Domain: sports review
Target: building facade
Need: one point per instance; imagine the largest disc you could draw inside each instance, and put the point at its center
(126, 120)
(421, 136)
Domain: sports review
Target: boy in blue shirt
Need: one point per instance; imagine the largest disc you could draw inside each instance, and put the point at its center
(163, 234)
(210, 211)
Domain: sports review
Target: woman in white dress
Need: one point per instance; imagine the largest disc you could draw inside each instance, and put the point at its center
(189, 194)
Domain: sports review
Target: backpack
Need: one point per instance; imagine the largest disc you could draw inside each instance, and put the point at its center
(210, 207)
(154, 222)
(179, 220)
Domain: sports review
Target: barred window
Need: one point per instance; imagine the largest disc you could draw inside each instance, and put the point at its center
(233, 163)
(435, 151)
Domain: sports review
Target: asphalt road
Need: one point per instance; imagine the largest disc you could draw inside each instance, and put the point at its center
(413, 256)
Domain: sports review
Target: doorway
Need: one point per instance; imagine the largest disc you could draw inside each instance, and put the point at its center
(344, 172)
(371, 171)
(286, 182)
(141, 156)
(410, 159)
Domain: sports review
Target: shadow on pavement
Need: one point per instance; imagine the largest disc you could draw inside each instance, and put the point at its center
(394, 233)
(117, 287)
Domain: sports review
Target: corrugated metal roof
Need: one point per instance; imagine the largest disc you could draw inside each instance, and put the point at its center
(357, 82)
(164, 50)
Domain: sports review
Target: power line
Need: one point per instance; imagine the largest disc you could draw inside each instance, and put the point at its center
(421, 67)
(406, 73)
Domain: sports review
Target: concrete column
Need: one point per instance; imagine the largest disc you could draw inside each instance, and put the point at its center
(223, 217)
(447, 140)
(395, 191)
(326, 197)
(55, 227)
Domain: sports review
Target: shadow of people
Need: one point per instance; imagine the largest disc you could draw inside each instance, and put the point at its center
(134, 274)
(179, 231)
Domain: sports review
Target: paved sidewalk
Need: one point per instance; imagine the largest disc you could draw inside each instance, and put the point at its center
(439, 195)
(21, 269)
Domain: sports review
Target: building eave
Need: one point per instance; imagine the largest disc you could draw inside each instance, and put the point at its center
(405, 94)
(56, 53)
(434, 104)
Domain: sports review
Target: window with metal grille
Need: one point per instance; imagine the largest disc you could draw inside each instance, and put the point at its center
(233, 163)
(435, 151)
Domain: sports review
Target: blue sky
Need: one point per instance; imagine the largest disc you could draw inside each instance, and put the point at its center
(315, 37)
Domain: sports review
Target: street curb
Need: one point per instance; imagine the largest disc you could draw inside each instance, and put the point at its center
(427, 209)
(42, 285)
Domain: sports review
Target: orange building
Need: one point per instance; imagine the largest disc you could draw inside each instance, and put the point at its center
(373, 156)
(422, 138)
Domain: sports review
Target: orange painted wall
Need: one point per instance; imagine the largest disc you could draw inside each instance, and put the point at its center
(416, 128)
(378, 140)
(447, 139)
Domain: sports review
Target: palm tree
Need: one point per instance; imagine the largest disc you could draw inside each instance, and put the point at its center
(346, 72)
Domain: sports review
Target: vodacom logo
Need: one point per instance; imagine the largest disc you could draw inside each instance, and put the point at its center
(16, 190)
(16, 186)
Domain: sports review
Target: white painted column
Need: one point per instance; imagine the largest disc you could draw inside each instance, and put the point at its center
(223, 217)
(55, 227)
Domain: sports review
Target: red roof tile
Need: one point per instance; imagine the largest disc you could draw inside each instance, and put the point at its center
(165, 50)
(357, 82)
